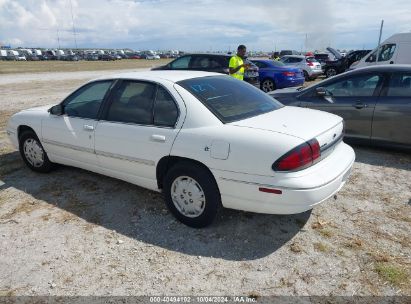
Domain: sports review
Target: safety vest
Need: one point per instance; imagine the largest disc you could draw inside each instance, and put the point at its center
(235, 61)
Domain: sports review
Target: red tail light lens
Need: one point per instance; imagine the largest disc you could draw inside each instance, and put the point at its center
(289, 74)
(299, 158)
(310, 63)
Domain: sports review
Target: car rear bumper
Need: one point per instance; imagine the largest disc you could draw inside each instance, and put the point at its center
(287, 83)
(300, 191)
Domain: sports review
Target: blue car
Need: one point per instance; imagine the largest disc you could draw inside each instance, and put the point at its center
(276, 75)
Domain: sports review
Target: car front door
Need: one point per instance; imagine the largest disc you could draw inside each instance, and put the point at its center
(69, 138)
(353, 98)
(137, 129)
(392, 122)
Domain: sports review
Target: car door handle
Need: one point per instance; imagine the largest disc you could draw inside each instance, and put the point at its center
(158, 138)
(88, 127)
(360, 105)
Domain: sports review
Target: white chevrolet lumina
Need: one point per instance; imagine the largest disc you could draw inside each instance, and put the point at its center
(204, 139)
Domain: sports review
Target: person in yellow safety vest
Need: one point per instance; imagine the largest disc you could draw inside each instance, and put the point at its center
(237, 66)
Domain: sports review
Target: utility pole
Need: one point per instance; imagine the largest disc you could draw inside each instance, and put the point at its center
(379, 42)
(58, 38)
(72, 19)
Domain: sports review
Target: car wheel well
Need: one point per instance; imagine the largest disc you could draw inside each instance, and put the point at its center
(22, 129)
(167, 162)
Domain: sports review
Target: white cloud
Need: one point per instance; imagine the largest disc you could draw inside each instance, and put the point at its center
(201, 25)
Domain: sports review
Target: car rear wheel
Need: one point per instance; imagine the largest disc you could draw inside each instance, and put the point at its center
(191, 194)
(306, 76)
(330, 72)
(268, 85)
(33, 152)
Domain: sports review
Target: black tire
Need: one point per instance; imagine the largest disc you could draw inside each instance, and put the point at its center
(29, 137)
(268, 85)
(306, 76)
(330, 72)
(181, 172)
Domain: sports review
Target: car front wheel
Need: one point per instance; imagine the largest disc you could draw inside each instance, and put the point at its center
(33, 152)
(268, 85)
(192, 194)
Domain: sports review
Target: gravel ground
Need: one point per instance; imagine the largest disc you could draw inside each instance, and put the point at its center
(72, 232)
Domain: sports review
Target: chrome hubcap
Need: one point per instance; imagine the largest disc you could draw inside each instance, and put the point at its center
(188, 196)
(33, 152)
(268, 86)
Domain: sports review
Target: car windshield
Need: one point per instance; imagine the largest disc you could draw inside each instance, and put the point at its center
(230, 99)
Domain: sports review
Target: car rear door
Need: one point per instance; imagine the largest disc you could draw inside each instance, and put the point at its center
(137, 129)
(69, 138)
(392, 115)
(353, 98)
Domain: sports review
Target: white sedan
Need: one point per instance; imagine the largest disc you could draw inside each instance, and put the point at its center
(204, 139)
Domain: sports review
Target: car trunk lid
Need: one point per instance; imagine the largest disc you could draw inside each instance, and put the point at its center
(306, 124)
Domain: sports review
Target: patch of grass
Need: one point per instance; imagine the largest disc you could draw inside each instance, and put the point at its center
(7, 67)
(392, 273)
(325, 232)
(295, 247)
(27, 207)
(321, 247)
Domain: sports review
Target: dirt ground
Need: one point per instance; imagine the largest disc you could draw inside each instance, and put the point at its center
(72, 232)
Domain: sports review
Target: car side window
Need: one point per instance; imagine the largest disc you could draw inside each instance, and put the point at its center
(132, 102)
(371, 57)
(357, 86)
(86, 102)
(400, 85)
(260, 65)
(200, 62)
(386, 52)
(165, 109)
(180, 63)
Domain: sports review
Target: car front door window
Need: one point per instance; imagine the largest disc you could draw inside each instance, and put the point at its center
(360, 86)
(85, 102)
(181, 63)
(386, 52)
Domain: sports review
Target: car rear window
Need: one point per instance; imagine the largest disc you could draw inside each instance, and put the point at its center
(311, 59)
(230, 99)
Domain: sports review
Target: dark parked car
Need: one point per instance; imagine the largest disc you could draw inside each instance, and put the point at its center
(106, 57)
(375, 103)
(210, 63)
(276, 75)
(342, 63)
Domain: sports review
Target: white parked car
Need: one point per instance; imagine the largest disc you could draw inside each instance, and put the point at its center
(310, 66)
(204, 139)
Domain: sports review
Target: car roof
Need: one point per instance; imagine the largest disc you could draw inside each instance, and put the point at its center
(296, 56)
(385, 68)
(172, 76)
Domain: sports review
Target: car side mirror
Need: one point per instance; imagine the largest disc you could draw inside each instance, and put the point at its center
(56, 110)
(322, 92)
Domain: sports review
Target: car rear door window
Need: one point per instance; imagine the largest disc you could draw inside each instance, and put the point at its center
(400, 85)
(86, 102)
(200, 63)
(181, 63)
(132, 102)
(165, 109)
(361, 86)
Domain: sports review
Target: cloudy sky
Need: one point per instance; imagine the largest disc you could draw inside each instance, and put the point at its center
(206, 25)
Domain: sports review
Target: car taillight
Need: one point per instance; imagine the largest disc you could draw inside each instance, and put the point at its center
(299, 158)
(310, 63)
(289, 74)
